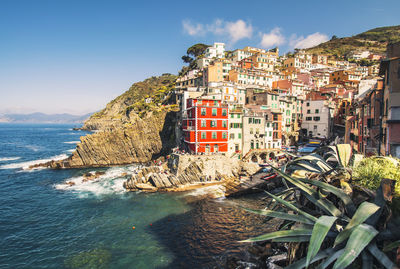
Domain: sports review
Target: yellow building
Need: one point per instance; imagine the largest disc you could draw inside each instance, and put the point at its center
(214, 72)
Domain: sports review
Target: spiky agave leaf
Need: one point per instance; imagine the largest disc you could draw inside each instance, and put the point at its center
(381, 257)
(337, 192)
(280, 234)
(292, 207)
(364, 211)
(360, 237)
(320, 230)
(280, 215)
(311, 194)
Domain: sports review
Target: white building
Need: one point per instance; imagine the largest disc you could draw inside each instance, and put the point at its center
(239, 54)
(230, 93)
(203, 62)
(253, 132)
(216, 51)
(269, 142)
(358, 55)
(235, 141)
(317, 118)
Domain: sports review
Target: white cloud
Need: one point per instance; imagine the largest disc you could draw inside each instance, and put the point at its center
(193, 29)
(273, 38)
(232, 30)
(238, 30)
(312, 40)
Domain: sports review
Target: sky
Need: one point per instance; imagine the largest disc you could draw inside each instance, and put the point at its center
(75, 56)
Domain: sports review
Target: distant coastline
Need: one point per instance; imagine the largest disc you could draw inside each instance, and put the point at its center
(44, 118)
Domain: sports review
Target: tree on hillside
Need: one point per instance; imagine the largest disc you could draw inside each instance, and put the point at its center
(187, 59)
(197, 49)
(194, 52)
(334, 37)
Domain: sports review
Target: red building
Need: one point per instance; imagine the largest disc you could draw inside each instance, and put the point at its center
(205, 126)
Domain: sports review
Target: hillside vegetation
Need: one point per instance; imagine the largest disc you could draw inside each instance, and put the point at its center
(374, 40)
(133, 102)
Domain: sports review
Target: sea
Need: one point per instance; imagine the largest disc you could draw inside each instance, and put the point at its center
(45, 223)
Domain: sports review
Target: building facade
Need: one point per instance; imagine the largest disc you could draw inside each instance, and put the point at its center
(205, 126)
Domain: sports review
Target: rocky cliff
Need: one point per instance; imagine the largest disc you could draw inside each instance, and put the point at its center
(185, 172)
(135, 127)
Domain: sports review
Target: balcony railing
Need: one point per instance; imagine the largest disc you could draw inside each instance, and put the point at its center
(188, 128)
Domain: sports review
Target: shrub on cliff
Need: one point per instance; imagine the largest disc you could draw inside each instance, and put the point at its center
(370, 172)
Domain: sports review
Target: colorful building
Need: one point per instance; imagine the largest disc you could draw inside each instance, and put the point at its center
(205, 126)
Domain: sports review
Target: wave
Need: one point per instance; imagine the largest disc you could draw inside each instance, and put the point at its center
(33, 147)
(71, 133)
(70, 150)
(72, 142)
(25, 165)
(5, 159)
(109, 183)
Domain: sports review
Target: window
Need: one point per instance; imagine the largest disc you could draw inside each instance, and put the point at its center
(224, 123)
(308, 111)
(232, 115)
(316, 111)
(252, 145)
(224, 135)
(214, 135)
(267, 124)
(257, 131)
(239, 135)
(203, 111)
(275, 117)
(270, 133)
(317, 118)
(315, 127)
(215, 102)
(308, 104)
(224, 112)
(251, 130)
(213, 123)
(203, 123)
(214, 112)
(232, 136)
(238, 116)
(308, 118)
(203, 135)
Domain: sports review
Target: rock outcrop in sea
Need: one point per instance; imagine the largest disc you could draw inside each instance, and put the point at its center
(187, 172)
(136, 127)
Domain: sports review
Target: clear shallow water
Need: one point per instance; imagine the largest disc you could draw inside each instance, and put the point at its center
(46, 224)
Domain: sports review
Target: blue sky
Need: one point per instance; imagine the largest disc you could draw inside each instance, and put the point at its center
(75, 56)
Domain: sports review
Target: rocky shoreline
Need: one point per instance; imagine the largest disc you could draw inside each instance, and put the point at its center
(189, 172)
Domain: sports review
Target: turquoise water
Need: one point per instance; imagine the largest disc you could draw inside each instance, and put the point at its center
(44, 223)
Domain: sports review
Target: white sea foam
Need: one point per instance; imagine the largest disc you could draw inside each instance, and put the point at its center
(25, 165)
(109, 183)
(33, 147)
(72, 142)
(70, 150)
(5, 159)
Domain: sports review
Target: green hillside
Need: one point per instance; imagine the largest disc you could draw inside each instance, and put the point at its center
(374, 40)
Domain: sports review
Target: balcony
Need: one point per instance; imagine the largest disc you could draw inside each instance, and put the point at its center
(276, 110)
(188, 128)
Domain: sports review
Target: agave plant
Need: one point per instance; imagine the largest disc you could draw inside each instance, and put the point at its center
(337, 231)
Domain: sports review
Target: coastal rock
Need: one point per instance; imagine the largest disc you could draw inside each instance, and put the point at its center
(186, 172)
(130, 129)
